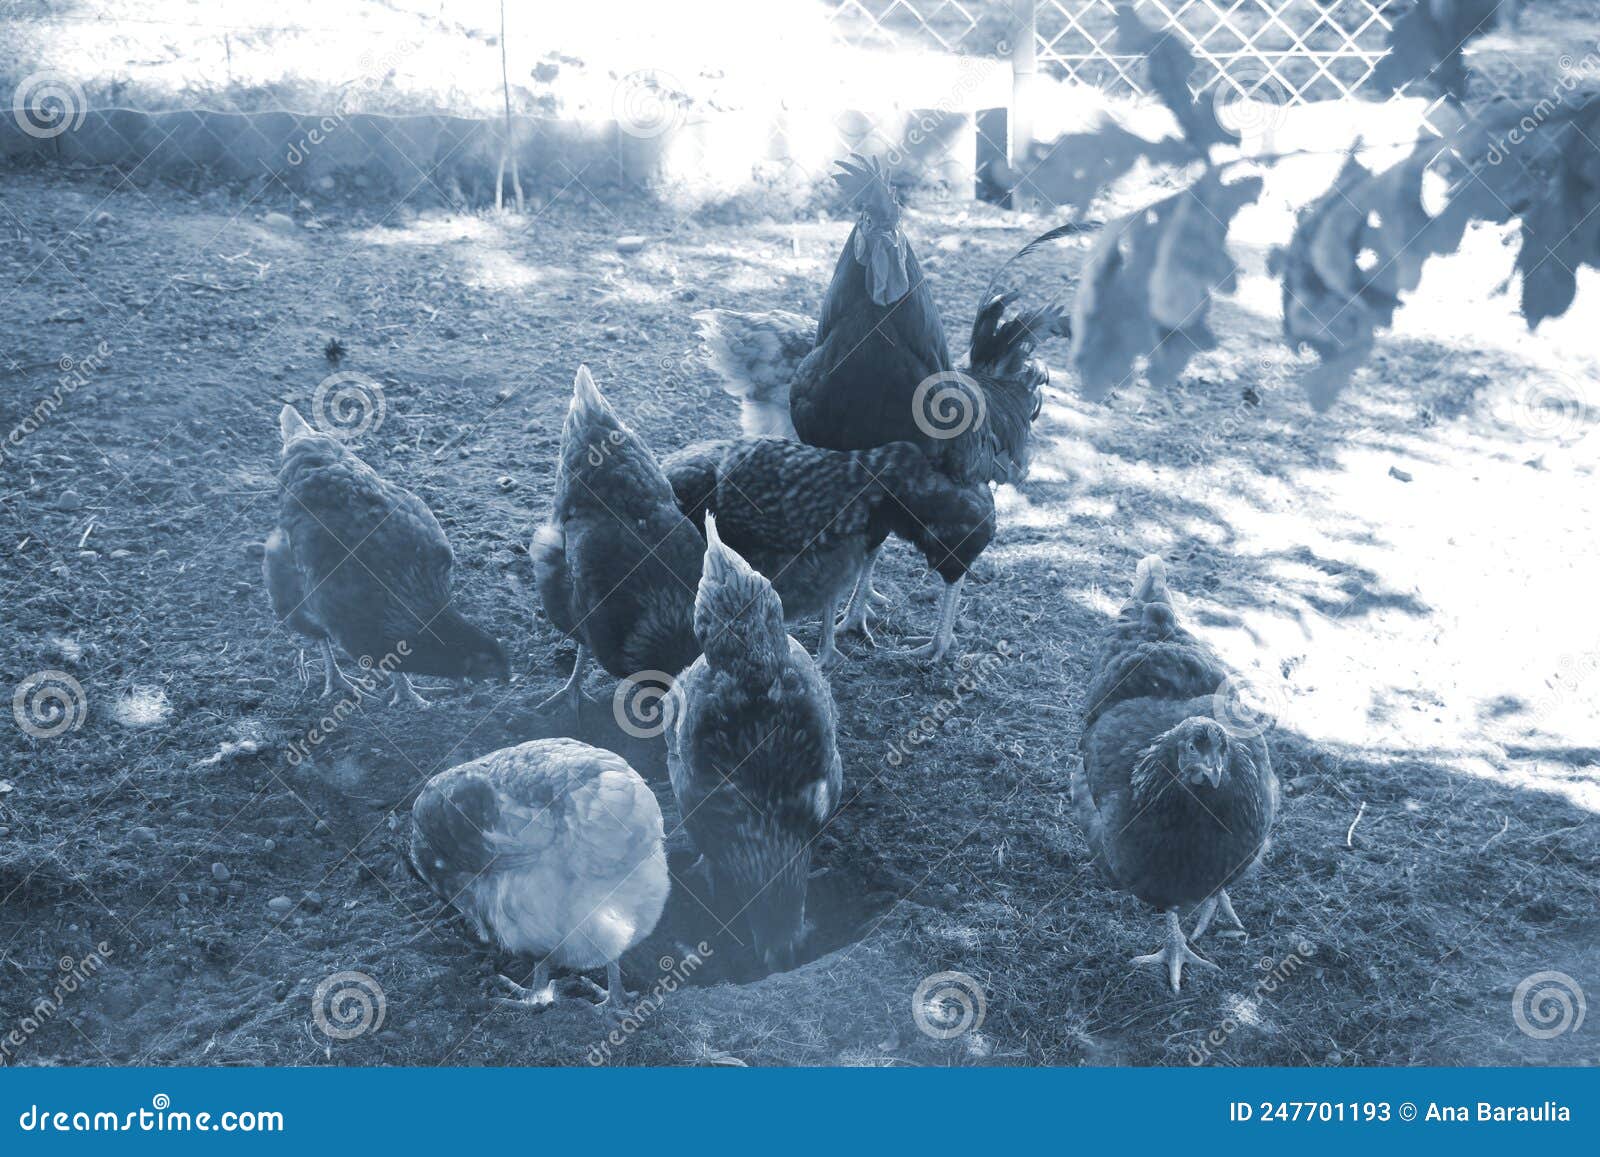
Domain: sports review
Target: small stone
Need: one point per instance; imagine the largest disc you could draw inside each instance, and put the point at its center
(631, 243)
(505, 482)
(255, 551)
(142, 835)
(280, 904)
(322, 828)
(183, 898)
(280, 990)
(311, 901)
(278, 221)
(269, 845)
(120, 554)
(242, 588)
(1399, 474)
(220, 873)
(69, 500)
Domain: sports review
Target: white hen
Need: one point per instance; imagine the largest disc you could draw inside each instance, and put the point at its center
(552, 849)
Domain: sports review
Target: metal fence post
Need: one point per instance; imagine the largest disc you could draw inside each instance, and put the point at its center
(1024, 66)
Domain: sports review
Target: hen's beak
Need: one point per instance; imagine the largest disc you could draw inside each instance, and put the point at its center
(1205, 769)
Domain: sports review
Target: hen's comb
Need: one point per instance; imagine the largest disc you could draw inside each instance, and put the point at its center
(1150, 580)
(863, 181)
(291, 425)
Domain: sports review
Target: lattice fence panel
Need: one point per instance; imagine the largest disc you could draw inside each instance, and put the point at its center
(1289, 51)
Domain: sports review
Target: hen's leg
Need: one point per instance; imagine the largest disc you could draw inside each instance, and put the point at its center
(334, 679)
(1218, 905)
(538, 996)
(944, 634)
(404, 692)
(855, 615)
(1175, 954)
(572, 691)
(828, 654)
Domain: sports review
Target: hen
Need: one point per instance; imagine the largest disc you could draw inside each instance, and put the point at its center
(552, 849)
(358, 561)
(808, 519)
(617, 564)
(1175, 805)
(752, 756)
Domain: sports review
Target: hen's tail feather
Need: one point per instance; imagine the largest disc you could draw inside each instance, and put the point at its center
(291, 425)
(1150, 581)
(756, 356)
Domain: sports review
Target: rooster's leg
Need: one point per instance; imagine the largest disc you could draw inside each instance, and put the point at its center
(828, 654)
(945, 633)
(855, 614)
(572, 690)
(404, 692)
(1218, 905)
(1175, 954)
(334, 679)
(538, 996)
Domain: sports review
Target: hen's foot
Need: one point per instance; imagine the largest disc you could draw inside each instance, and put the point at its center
(856, 624)
(405, 693)
(933, 650)
(614, 999)
(1228, 920)
(878, 597)
(536, 997)
(571, 694)
(829, 657)
(334, 680)
(1174, 955)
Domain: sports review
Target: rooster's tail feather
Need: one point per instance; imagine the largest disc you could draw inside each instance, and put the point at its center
(756, 355)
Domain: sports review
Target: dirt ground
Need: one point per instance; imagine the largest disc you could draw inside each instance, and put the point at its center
(1407, 893)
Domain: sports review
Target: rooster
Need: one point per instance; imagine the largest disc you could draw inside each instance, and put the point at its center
(1176, 805)
(876, 368)
(552, 849)
(359, 561)
(808, 519)
(752, 755)
(617, 564)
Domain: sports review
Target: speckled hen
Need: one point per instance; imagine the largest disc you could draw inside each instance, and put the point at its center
(1177, 804)
(808, 519)
(553, 850)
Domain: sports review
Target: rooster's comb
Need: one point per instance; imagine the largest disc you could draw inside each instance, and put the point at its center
(864, 182)
(1150, 580)
(586, 396)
